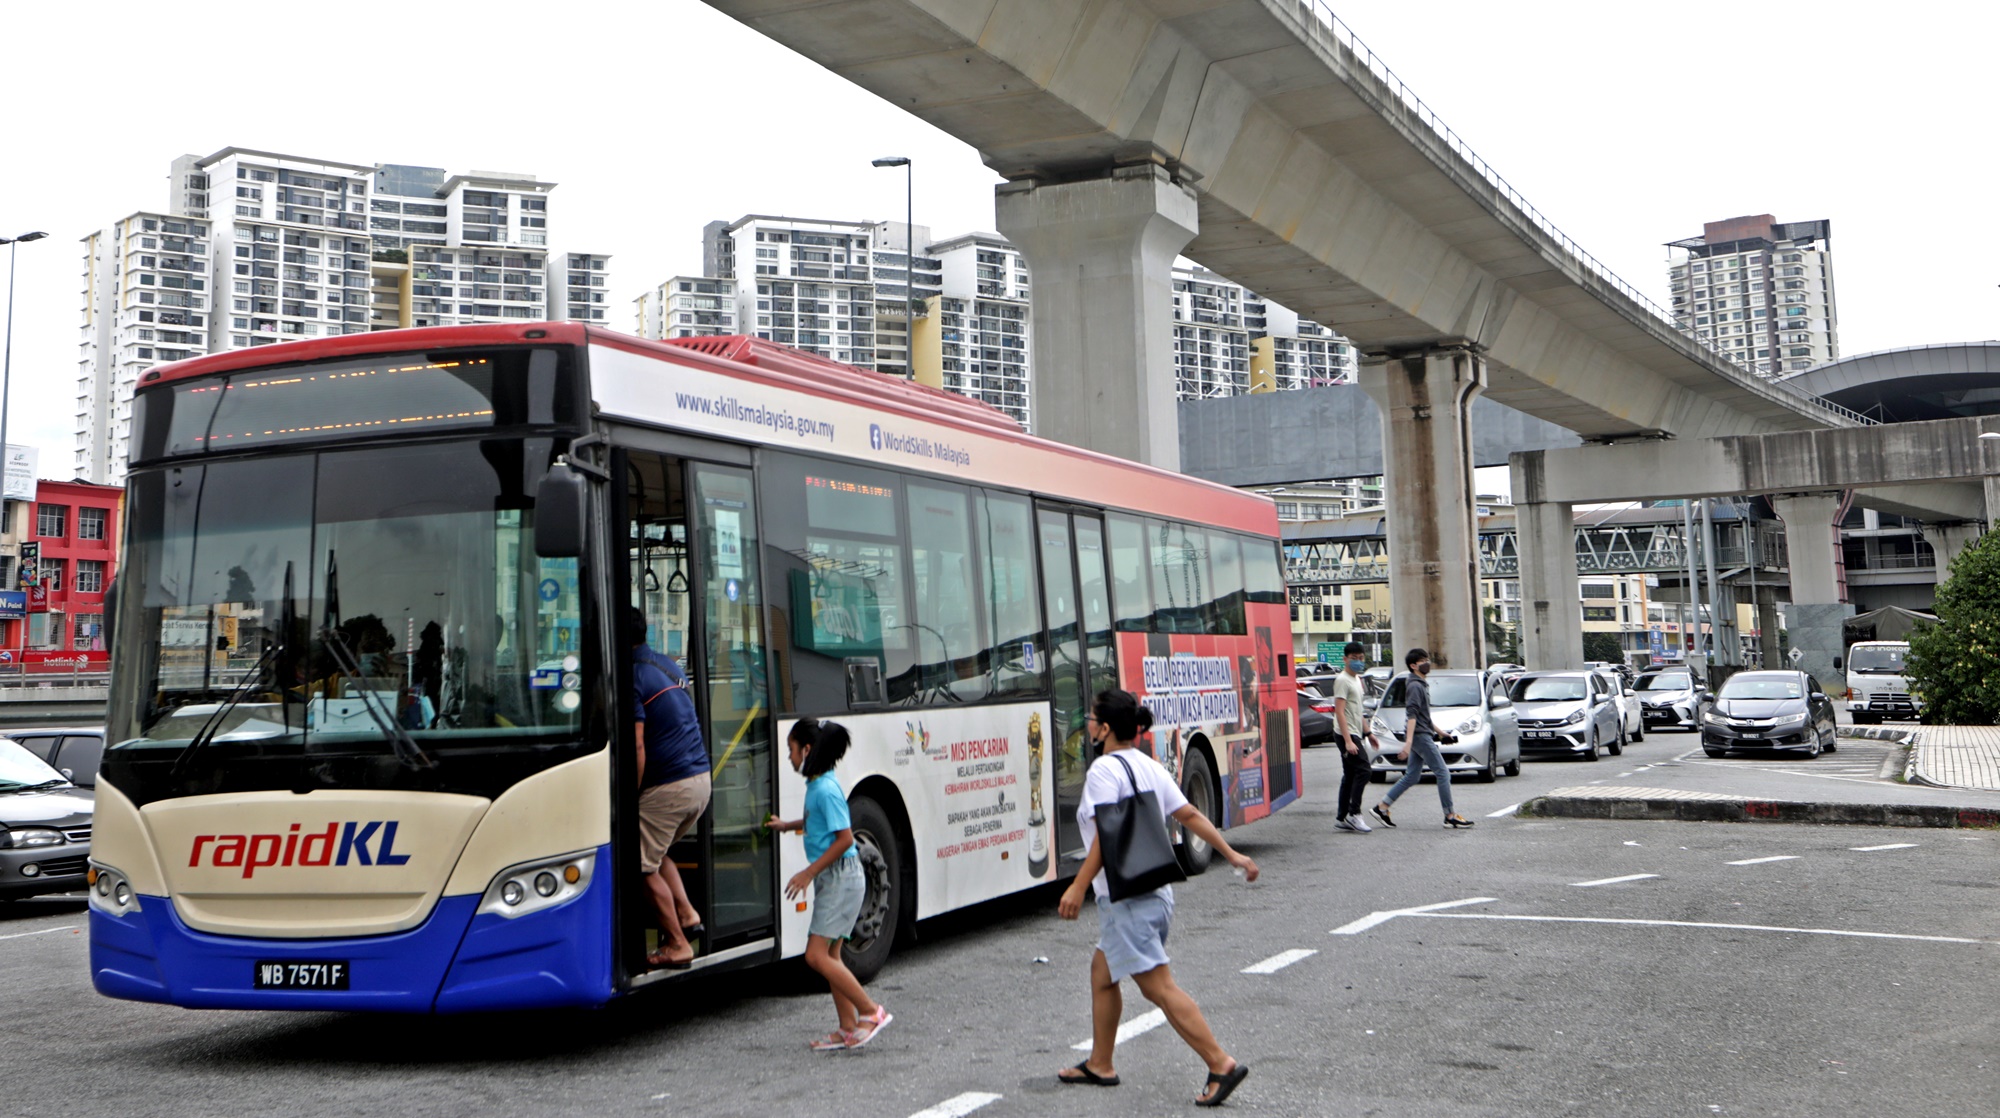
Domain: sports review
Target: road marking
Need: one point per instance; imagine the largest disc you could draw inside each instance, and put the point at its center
(1693, 924)
(43, 932)
(1366, 922)
(1761, 861)
(1884, 846)
(1137, 1026)
(1505, 811)
(1280, 961)
(1614, 880)
(958, 1106)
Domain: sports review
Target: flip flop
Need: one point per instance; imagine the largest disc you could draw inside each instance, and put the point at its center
(695, 930)
(1224, 1084)
(1087, 1077)
(660, 959)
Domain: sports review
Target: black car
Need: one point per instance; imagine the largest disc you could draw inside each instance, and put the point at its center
(1768, 710)
(73, 751)
(1315, 717)
(44, 827)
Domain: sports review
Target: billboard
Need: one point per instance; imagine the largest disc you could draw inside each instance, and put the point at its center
(22, 463)
(30, 570)
(13, 605)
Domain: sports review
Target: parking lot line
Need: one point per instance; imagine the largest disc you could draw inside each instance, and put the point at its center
(1137, 1026)
(1280, 961)
(958, 1106)
(1503, 812)
(1761, 861)
(1691, 924)
(1884, 846)
(1614, 880)
(1356, 927)
(43, 932)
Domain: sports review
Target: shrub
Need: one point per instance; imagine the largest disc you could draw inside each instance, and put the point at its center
(1954, 665)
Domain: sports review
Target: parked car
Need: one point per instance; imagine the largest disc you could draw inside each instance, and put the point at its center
(1567, 713)
(73, 751)
(1667, 698)
(1621, 667)
(1310, 671)
(1374, 682)
(1471, 705)
(1768, 710)
(44, 827)
(1315, 716)
(1631, 721)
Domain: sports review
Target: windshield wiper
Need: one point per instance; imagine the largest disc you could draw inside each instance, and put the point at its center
(407, 750)
(213, 725)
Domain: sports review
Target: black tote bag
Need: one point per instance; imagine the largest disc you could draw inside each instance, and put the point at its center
(1132, 839)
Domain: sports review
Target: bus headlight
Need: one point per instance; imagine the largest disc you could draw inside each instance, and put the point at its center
(534, 886)
(110, 892)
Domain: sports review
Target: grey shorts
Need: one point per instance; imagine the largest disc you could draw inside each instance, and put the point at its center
(1132, 933)
(837, 896)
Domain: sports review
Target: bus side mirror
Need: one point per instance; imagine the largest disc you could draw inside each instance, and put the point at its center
(559, 513)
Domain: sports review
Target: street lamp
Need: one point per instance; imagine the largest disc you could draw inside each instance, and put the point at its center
(909, 255)
(7, 366)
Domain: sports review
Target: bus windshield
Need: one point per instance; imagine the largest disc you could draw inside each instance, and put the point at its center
(319, 603)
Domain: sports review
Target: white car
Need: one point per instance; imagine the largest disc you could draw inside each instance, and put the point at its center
(1567, 713)
(1631, 718)
(1471, 705)
(1669, 698)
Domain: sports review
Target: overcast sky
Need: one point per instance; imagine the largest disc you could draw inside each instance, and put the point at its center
(1629, 125)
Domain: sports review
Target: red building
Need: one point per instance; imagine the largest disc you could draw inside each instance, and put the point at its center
(65, 555)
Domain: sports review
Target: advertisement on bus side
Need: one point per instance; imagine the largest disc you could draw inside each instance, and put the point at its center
(1223, 692)
(977, 785)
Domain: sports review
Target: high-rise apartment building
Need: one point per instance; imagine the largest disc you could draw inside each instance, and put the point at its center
(257, 247)
(1229, 340)
(1759, 289)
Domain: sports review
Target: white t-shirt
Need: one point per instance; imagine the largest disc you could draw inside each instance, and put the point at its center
(1106, 784)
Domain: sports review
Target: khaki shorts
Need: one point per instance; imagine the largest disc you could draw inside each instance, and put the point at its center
(667, 813)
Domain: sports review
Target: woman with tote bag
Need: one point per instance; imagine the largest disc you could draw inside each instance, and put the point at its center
(1127, 798)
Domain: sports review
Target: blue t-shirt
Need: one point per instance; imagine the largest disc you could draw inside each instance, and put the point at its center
(826, 815)
(674, 749)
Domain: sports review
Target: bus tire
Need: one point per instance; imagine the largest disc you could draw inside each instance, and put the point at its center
(1198, 785)
(882, 861)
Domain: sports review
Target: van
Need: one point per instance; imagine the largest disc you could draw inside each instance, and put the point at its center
(1876, 686)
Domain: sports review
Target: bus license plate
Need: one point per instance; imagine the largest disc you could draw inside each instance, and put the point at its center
(311, 974)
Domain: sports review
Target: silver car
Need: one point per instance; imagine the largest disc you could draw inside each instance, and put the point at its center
(1631, 720)
(1471, 705)
(1568, 713)
(1668, 698)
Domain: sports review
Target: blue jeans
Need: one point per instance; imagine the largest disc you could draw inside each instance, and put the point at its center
(1423, 751)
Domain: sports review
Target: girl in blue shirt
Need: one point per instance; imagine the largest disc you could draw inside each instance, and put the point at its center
(836, 879)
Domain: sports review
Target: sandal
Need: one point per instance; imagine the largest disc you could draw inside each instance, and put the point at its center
(660, 959)
(835, 1041)
(1223, 1084)
(1087, 1077)
(870, 1024)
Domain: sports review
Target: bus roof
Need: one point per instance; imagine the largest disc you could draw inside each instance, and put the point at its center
(1111, 481)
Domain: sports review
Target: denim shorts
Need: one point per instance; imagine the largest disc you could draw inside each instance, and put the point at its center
(837, 895)
(1132, 933)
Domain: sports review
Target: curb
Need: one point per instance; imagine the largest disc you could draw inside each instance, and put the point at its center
(1759, 811)
(1877, 733)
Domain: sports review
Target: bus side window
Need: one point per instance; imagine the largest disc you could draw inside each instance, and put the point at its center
(1014, 660)
(1131, 574)
(1180, 576)
(944, 590)
(1263, 575)
(1222, 614)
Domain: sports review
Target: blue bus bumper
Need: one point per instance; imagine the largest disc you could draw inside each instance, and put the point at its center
(456, 961)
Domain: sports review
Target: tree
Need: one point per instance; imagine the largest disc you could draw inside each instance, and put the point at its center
(1603, 646)
(1954, 665)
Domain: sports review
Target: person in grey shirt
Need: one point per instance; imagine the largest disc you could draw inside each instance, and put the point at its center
(1420, 743)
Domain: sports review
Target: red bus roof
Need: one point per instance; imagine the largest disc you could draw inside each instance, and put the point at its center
(1102, 479)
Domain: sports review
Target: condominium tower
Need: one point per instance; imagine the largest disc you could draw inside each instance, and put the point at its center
(257, 247)
(1760, 290)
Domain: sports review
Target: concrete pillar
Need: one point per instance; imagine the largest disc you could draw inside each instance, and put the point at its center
(1993, 502)
(1815, 620)
(1425, 399)
(1948, 540)
(1552, 612)
(1102, 254)
(1767, 626)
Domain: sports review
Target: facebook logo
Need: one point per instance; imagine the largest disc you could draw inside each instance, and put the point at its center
(875, 436)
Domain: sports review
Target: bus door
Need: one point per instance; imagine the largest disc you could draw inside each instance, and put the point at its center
(1081, 658)
(691, 534)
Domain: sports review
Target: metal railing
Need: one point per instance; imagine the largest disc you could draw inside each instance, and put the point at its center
(1326, 28)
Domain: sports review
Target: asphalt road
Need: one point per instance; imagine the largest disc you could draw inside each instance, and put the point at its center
(1726, 982)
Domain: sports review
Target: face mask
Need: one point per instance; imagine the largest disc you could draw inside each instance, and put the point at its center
(1423, 668)
(1356, 665)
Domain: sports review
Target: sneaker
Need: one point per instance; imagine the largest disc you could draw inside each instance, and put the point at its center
(870, 1024)
(835, 1041)
(1382, 813)
(1345, 823)
(1360, 824)
(1457, 821)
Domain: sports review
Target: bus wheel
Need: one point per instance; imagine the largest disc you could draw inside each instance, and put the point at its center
(882, 868)
(1198, 785)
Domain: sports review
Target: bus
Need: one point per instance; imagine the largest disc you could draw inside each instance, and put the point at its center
(370, 739)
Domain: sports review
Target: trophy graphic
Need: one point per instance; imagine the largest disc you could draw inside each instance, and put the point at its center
(1038, 839)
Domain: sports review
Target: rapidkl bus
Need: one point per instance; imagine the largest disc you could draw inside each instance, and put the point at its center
(371, 732)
